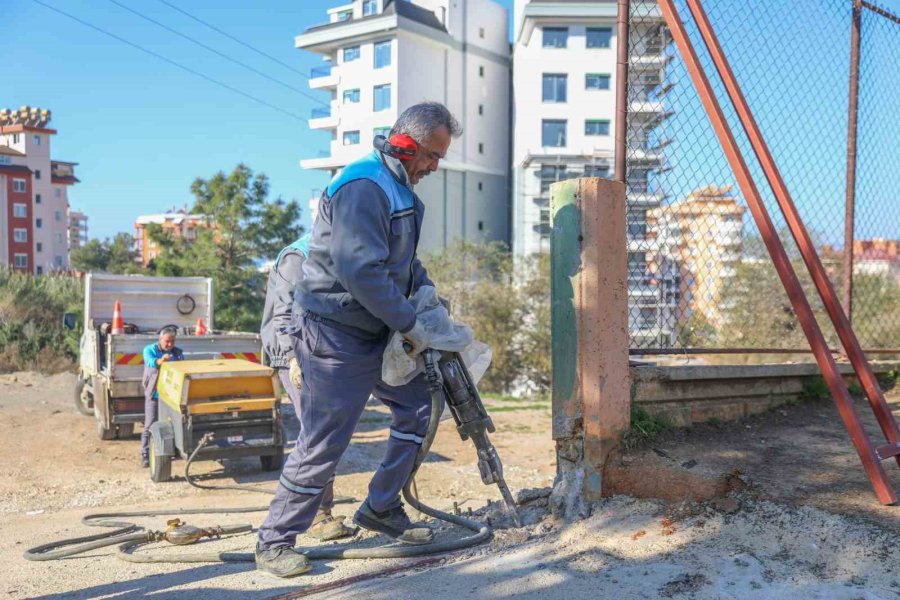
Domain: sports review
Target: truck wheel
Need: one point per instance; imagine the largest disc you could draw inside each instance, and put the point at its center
(84, 400)
(105, 434)
(160, 465)
(273, 462)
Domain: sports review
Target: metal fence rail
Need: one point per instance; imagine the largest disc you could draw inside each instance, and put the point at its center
(699, 275)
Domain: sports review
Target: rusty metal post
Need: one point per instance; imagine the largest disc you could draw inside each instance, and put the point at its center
(867, 453)
(852, 116)
(622, 85)
(591, 389)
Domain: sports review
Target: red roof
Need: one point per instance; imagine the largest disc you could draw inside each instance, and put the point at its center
(15, 169)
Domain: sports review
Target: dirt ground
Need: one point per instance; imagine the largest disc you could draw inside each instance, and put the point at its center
(806, 526)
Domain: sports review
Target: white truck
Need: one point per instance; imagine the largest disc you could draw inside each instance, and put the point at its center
(109, 386)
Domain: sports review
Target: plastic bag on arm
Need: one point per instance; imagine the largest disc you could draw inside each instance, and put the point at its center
(398, 368)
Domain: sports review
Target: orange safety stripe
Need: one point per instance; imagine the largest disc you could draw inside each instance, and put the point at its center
(129, 359)
(249, 356)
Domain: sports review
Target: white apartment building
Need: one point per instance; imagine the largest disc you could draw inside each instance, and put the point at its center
(34, 232)
(382, 56)
(564, 85)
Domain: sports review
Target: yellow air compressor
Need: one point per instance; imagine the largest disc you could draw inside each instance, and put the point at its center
(234, 400)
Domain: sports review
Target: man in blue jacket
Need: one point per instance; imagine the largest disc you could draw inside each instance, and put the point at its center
(360, 271)
(279, 350)
(155, 355)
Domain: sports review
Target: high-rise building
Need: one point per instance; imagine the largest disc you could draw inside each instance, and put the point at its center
(34, 203)
(703, 235)
(382, 56)
(78, 229)
(177, 222)
(564, 85)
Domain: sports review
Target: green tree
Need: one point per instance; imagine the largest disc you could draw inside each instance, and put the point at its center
(244, 230)
(116, 255)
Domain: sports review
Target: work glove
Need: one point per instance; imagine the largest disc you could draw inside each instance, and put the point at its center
(417, 338)
(294, 373)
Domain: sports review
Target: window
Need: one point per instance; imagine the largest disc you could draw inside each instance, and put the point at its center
(20, 210)
(40, 270)
(21, 261)
(37, 173)
(370, 7)
(596, 81)
(481, 109)
(480, 225)
(480, 148)
(596, 171)
(382, 54)
(16, 138)
(351, 96)
(351, 53)
(351, 138)
(551, 174)
(20, 235)
(37, 197)
(19, 185)
(385, 131)
(38, 223)
(480, 186)
(382, 97)
(598, 37)
(58, 237)
(57, 215)
(57, 260)
(344, 15)
(556, 37)
(554, 87)
(481, 32)
(481, 70)
(596, 127)
(553, 133)
(40, 247)
(37, 140)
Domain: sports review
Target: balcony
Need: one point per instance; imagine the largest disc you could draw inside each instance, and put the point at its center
(321, 78)
(324, 118)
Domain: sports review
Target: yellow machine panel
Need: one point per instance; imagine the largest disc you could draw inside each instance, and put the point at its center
(211, 386)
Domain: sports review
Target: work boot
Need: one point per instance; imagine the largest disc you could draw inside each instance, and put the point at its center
(145, 462)
(326, 527)
(394, 523)
(281, 561)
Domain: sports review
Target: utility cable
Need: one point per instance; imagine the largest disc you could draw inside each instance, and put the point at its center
(234, 39)
(172, 62)
(220, 54)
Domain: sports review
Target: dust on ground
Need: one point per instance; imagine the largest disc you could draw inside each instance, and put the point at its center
(762, 543)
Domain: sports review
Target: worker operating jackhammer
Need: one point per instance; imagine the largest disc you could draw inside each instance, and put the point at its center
(279, 350)
(361, 268)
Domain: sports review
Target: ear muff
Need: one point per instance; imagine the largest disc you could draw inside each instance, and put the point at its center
(399, 146)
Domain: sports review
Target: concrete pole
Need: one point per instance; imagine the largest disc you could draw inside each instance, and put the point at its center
(591, 400)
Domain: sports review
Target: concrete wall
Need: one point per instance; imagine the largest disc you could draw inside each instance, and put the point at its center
(696, 394)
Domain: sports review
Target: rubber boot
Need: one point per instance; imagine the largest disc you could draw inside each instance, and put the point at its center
(326, 527)
(393, 523)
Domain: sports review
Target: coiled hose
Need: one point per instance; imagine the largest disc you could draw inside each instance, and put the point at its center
(129, 537)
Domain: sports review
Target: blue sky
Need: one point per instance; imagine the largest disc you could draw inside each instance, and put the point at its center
(142, 130)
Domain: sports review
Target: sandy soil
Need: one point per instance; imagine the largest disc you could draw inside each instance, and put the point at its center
(761, 543)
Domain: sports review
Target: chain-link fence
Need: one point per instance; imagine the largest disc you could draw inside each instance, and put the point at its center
(699, 274)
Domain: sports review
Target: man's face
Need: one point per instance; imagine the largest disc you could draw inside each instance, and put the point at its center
(166, 342)
(430, 153)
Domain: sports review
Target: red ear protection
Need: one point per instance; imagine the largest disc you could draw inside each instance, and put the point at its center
(399, 146)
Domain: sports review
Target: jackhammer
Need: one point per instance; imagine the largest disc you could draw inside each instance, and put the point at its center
(449, 384)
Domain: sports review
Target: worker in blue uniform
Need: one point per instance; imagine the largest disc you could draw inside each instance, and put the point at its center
(360, 270)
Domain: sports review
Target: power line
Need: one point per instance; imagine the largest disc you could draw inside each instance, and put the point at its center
(231, 37)
(217, 53)
(171, 62)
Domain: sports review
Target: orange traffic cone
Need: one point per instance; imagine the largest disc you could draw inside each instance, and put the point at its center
(200, 328)
(118, 325)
